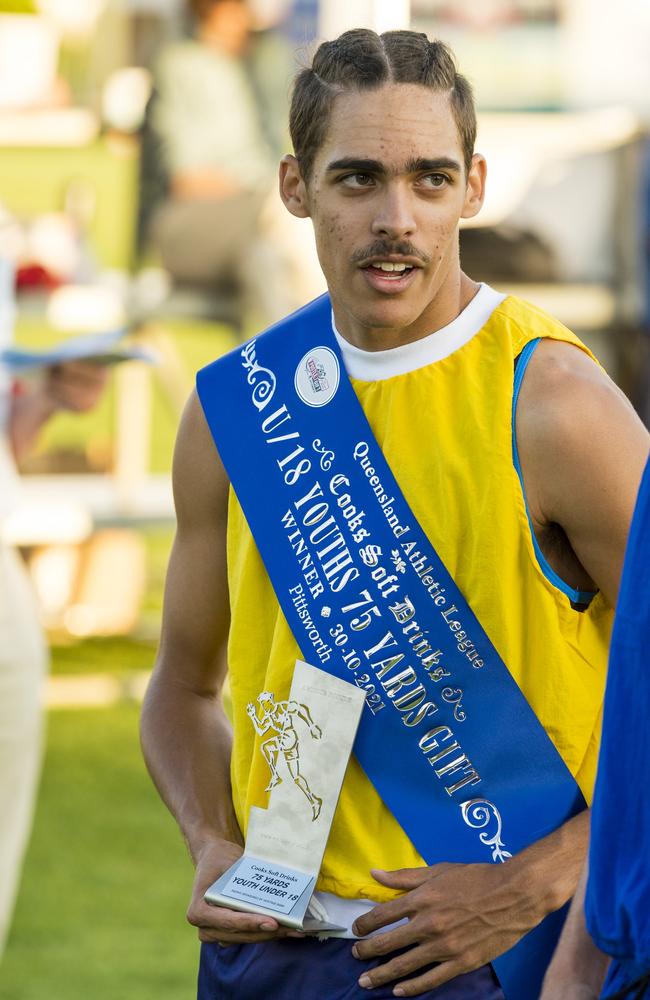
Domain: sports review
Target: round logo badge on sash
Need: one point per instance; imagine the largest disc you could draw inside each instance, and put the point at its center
(317, 376)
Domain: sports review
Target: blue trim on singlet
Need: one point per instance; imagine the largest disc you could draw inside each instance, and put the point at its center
(576, 596)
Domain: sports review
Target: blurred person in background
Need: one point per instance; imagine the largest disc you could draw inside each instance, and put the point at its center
(610, 914)
(24, 410)
(214, 128)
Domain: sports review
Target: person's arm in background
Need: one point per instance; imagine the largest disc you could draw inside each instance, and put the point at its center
(186, 736)
(75, 386)
(578, 968)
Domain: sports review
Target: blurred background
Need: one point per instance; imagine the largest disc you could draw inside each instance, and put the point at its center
(138, 149)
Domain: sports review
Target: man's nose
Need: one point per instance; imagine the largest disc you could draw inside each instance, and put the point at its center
(395, 217)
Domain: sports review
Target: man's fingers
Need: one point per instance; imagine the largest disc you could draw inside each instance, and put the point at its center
(397, 968)
(208, 935)
(388, 913)
(380, 916)
(402, 878)
(385, 944)
(442, 973)
(219, 918)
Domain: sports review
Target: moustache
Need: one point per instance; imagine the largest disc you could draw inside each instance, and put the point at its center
(386, 248)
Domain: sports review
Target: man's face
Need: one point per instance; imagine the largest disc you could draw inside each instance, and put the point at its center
(387, 190)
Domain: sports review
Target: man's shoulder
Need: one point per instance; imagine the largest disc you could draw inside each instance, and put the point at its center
(532, 321)
(571, 417)
(565, 390)
(199, 479)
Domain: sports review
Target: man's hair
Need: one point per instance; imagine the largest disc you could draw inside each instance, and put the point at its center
(363, 60)
(200, 9)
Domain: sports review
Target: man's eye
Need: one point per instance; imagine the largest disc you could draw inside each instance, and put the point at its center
(435, 180)
(357, 180)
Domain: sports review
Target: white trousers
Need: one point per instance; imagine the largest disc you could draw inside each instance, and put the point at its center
(23, 665)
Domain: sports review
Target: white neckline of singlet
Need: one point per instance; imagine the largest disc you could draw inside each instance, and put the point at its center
(371, 366)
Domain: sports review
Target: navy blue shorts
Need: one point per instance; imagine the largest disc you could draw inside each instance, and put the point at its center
(308, 969)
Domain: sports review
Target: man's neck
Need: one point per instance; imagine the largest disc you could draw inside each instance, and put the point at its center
(447, 305)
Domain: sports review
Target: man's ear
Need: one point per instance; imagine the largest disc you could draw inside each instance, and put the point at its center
(293, 189)
(475, 192)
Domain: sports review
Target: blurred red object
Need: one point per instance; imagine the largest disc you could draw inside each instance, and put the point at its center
(18, 388)
(35, 276)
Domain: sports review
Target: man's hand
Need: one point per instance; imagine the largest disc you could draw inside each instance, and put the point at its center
(460, 916)
(218, 923)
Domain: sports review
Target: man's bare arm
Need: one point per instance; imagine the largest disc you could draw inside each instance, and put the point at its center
(578, 969)
(583, 450)
(186, 736)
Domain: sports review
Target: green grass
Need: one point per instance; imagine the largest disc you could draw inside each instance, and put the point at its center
(100, 914)
(100, 654)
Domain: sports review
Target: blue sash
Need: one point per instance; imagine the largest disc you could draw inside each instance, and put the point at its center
(447, 738)
(617, 904)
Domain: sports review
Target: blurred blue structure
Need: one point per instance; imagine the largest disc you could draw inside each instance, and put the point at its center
(301, 26)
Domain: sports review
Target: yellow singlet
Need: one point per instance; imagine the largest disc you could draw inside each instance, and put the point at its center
(445, 427)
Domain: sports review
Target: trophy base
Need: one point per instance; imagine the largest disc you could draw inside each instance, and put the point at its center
(254, 885)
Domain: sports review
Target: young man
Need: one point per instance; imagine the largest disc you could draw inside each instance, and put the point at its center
(525, 491)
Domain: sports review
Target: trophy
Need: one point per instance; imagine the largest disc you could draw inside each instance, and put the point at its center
(306, 742)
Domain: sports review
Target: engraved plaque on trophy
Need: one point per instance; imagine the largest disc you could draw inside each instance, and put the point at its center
(306, 741)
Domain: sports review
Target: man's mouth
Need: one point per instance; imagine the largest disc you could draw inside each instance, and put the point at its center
(389, 269)
(390, 276)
